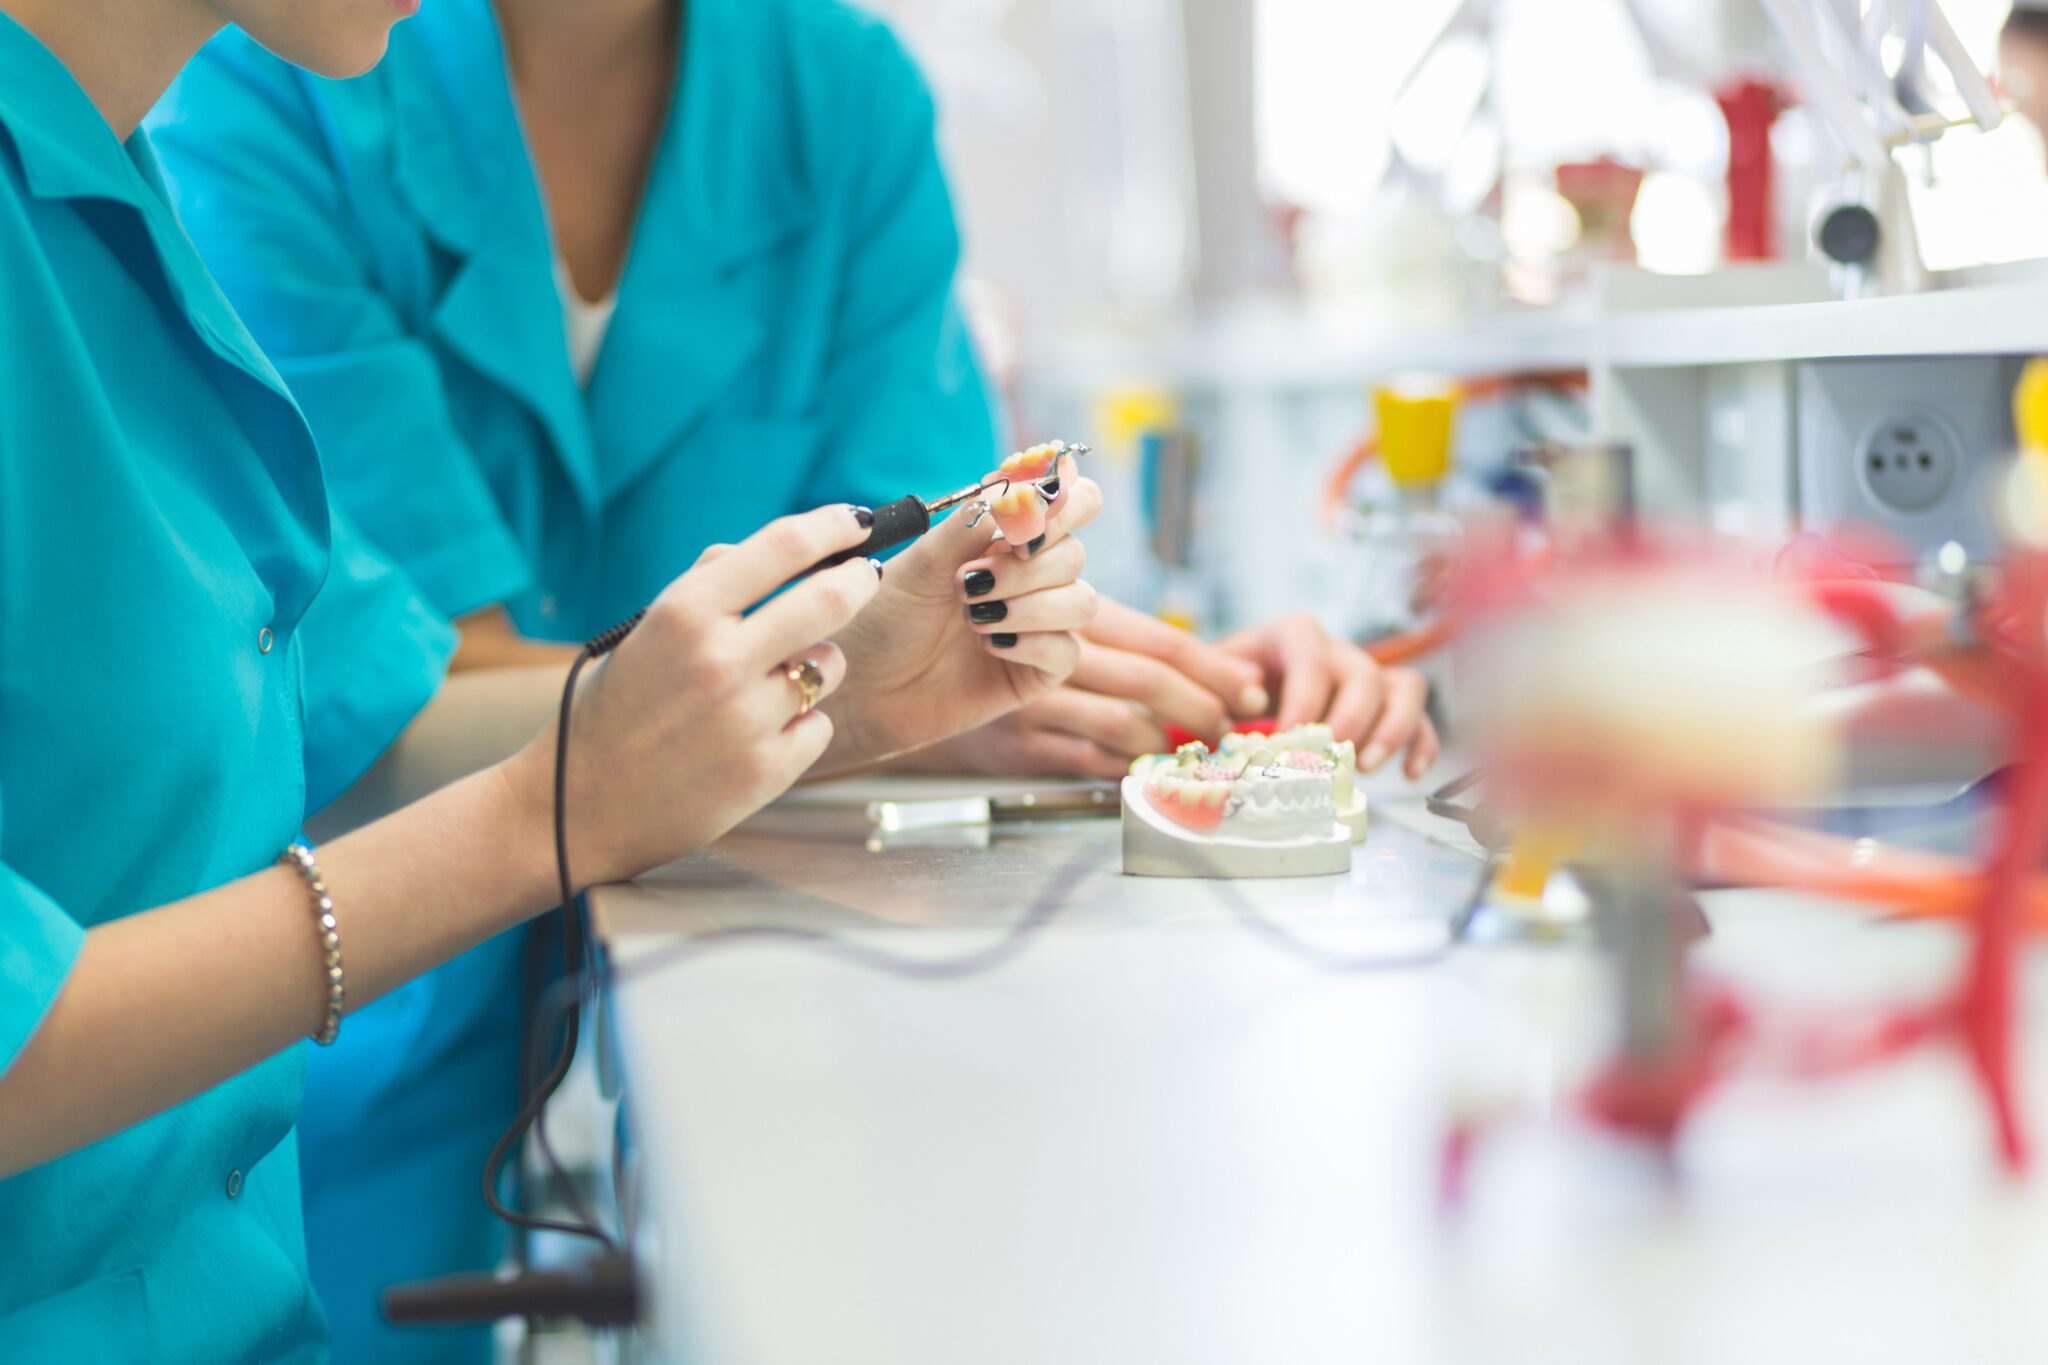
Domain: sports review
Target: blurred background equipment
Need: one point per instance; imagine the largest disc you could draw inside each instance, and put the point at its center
(1281, 206)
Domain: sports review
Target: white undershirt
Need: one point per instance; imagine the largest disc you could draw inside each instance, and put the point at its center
(584, 323)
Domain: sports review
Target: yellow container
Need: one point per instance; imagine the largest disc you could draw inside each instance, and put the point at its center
(2030, 407)
(1125, 414)
(1416, 420)
(2023, 504)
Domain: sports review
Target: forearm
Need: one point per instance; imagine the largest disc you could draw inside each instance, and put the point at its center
(475, 720)
(167, 1003)
(489, 640)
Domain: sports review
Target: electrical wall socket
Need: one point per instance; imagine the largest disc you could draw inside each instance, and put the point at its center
(1904, 447)
(1909, 461)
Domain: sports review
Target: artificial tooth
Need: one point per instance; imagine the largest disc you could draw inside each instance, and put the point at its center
(1020, 514)
(1314, 737)
(1032, 463)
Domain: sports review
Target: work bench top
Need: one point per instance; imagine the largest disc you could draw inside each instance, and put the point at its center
(1151, 1130)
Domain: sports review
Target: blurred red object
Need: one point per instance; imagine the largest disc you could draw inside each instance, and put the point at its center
(1751, 107)
(1176, 736)
(1604, 193)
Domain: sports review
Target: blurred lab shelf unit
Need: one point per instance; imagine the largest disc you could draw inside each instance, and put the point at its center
(1731, 408)
(1275, 396)
(1702, 375)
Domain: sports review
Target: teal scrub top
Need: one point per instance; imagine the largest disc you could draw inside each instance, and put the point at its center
(786, 335)
(163, 535)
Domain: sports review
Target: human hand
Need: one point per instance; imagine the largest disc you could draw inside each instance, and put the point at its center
(1321, 678)
(1135, 675)
(966, 627)
(692, 723)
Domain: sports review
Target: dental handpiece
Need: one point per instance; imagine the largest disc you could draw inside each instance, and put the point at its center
(910, 517)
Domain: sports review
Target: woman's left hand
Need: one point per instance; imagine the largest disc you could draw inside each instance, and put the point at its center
(966, 628)
(1320, 678)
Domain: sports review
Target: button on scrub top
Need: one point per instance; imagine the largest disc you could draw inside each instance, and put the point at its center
(163, 536)
(785, 336)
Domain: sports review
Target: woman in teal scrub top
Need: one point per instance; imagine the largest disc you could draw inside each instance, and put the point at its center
(166, 550)
(627, 276)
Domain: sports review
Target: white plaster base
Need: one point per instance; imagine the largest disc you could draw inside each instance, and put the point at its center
(1155, 846)
(1352, 817)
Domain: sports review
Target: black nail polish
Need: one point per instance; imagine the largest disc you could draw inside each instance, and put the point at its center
(988, 613)
(979, 583)
(1002, 641)
(876, 565)
(865, 516)
(1037, 544)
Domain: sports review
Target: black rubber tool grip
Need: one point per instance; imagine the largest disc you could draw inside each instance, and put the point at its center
(895, 522)
(600, 1292)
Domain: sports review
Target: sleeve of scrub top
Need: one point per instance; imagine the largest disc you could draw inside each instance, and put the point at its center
(372, 653)
(257, 190)
(906, 406)
(38, 944)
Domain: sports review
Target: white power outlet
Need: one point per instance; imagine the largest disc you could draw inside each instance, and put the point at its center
(1909, 460)
(1903, 447)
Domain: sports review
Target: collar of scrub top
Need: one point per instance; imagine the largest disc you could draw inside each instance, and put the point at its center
(690, 316)
(68, 152)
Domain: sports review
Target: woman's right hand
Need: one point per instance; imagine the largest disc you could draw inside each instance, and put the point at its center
(692, 723)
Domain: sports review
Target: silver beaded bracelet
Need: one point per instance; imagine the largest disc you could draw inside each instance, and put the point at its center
(301, 858)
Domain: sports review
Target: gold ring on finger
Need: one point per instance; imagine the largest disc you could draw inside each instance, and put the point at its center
(809, 679)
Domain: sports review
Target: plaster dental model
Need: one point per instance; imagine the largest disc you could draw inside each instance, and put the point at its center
(1313, 747)
(1262, 806)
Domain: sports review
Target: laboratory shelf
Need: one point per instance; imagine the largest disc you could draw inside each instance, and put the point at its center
(1267, 351)
(1273, 351)
(1982, 320)
(1327, 356)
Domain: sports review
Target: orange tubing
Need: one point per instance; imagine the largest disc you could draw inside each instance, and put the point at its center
(1339, 482)
(1902, 882)
(1411, 644)
(1468, 390)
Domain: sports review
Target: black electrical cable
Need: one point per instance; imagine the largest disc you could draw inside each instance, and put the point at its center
(543, 1090)
(567, 992)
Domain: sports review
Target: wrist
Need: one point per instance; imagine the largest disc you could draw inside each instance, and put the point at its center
(515, 801)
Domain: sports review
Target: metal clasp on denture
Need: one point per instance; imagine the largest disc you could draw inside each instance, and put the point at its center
(1048, 488)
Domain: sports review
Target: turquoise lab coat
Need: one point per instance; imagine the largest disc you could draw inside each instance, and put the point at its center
(163, 535)
(786, 336)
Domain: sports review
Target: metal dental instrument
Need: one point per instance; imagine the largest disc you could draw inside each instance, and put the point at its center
(910, 517)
